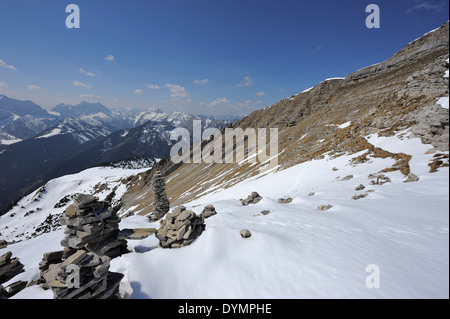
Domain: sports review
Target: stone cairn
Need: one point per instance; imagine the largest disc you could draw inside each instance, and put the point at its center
(9, 268)
(181, 227)
(162, 205)
(81, 270)
(93, 226)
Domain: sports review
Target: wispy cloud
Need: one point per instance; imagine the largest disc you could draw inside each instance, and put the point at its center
(3, 85)
(438, 6)
(80, 84)
(91, 96)
(319, 47)
(261, 94)
(92, 74)
(110, 58)
(153, 86)
(33, 87)
(246, 82)
(138, 91)
(177, 91)
(200, 82)
(6, 66)
(219, 101)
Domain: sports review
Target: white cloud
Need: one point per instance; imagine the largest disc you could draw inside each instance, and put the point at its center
(33, 87)
(80, 84)
(246, 82)
(91, 96)
(177, 91)
(153, 86)
(138, 91)
(261, 94)
(200, 82)
(92, 74)
(427, 5)
(110, 58)
(6, 66)
(219, 101)
(3, 85)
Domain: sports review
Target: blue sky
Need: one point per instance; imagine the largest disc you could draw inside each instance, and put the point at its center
(197, 56)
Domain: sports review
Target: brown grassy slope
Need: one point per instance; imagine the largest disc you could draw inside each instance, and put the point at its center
(394, 95)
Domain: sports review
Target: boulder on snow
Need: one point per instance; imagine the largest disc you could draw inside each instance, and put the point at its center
(245, 233)
(285, 200)
(208, 211)
(412, 178)
(253, 198)
(324, 207)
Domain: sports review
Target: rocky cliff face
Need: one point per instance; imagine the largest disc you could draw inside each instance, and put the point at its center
(333, 118)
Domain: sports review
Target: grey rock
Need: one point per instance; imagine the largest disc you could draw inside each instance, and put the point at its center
(360, 187)
(208, 211)
(285, 200)
(359, 196)
(253, 198)
(324, 207)
(245, 233)
(412, 178)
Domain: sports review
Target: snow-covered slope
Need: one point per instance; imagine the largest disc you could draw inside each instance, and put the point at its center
(296, 251)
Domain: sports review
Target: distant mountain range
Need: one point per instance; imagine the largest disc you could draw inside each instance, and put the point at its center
(36, 145)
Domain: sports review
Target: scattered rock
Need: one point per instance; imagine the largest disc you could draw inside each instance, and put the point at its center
(334, 169)
(311, 194)
(3, 243)
(180, 228)
(285, 200)
(412, 178)
(265, 212)
(246, 233)
(324, 207)
(251, 199)
(208, 211)
(380, 179)
(9, 267)
(360, 187)
(346, 178)
(359, 196)
(93, 226)
(162, 205)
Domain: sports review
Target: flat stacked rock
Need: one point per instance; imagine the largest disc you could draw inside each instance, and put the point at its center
(9, 267)
(82, 275)
(162, 204)
(93, 226)
(180, 228)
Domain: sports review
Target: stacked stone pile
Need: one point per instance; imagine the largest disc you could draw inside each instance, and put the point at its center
(162, 205)
(9, 267)
(180, 228)
(93, 226)
(81, 270)
(82, 275)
